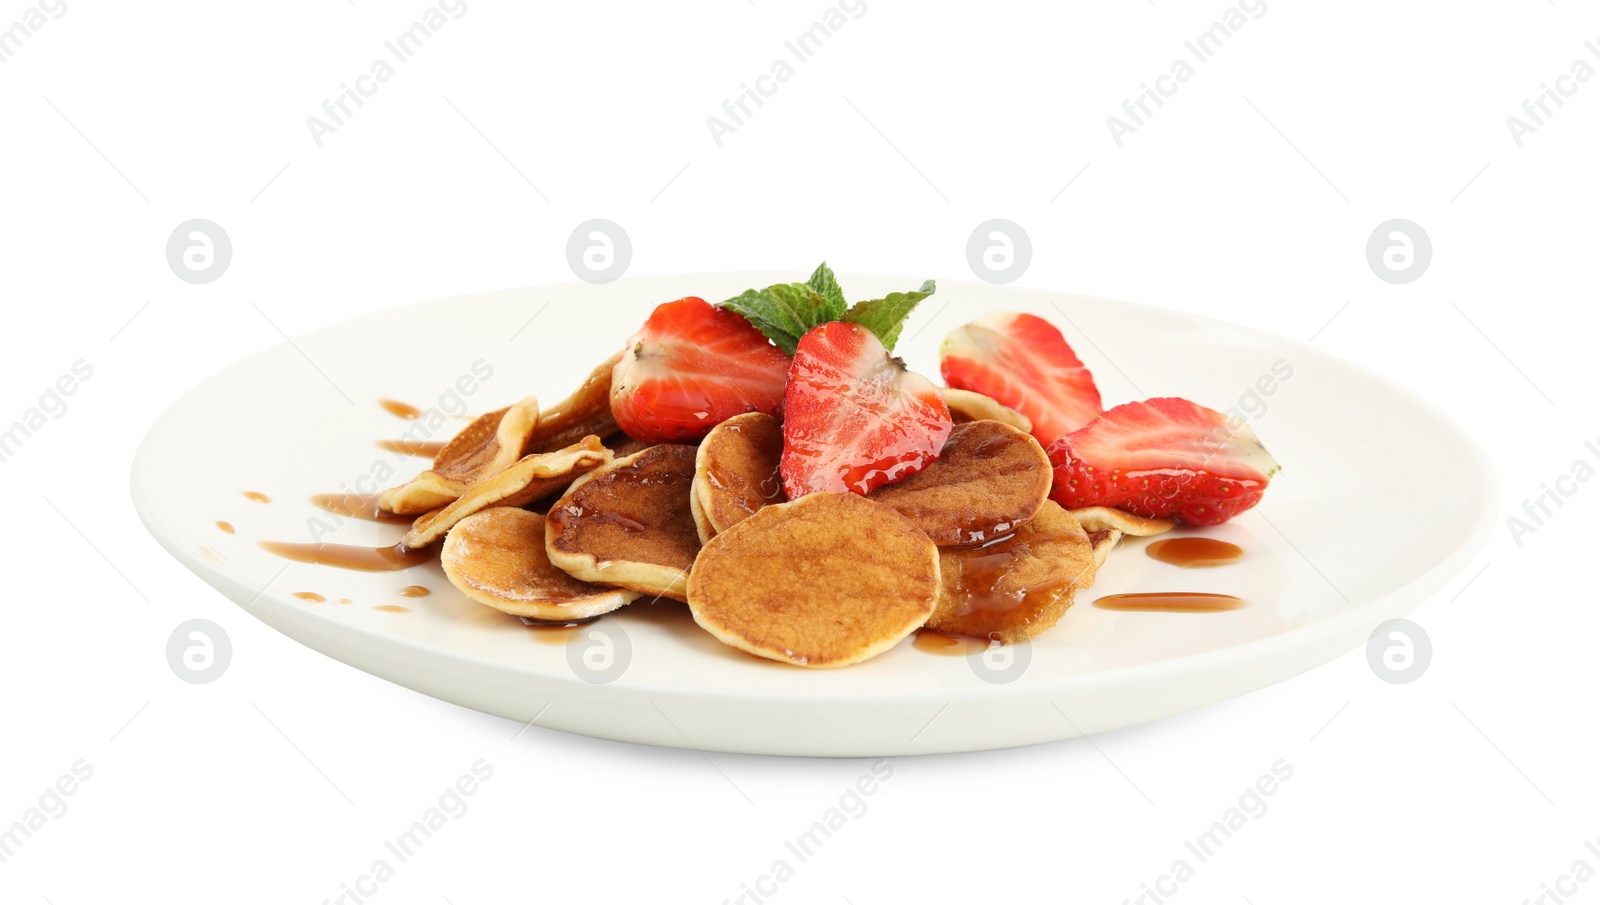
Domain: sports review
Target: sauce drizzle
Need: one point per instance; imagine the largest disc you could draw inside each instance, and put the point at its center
(400, 409)
(426, 448)
(1174, 602)
(556, 632)
(932, 642)
(361, 559)
(357, 505)
(1194, 552)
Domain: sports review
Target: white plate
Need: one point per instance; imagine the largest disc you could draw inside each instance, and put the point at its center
(1359, 453)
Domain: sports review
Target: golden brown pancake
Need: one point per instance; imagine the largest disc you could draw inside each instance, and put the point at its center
(531, 478)
(628, 524)
(1015, 587)
(736, 471)
(587, 411)
(702, 525)
(1097, 518)
(497, 558)
(1103, 541)
(989, 478)
(828, 580)
(966, 405)
(486, 446)
(623, 446)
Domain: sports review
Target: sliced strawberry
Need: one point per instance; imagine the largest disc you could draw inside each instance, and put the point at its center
(1022, 361)
(1162, 458)
(691, 367)
(853, 418)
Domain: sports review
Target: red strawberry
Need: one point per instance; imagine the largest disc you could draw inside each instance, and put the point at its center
(853, 418)
(1022, 361)
(1162, 458)
(691, 367)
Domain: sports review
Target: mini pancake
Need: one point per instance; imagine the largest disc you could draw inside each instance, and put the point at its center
(736, 471)
(989, 478)
(1103, 541)
(965, 405)
(587, 411)
(828, 580)
(531, 478)
(1015, 587)
(1098, 518)
(497, 558)
(488, 445)
(702, 525)
(623, 446)
(628, 524)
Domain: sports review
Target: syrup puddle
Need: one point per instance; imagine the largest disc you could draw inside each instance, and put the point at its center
(557, 633)
(1177, 602)
(427, 448)
(932, 642)
(361, 559)
(1194, 552)
(356, 505)
(401, 409)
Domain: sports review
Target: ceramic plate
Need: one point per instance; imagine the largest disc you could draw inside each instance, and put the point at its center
(305, 418)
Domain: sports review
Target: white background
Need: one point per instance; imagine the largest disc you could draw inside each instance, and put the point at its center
(1249, 196)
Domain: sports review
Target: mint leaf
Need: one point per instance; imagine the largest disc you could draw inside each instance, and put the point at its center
(886, 316)
(783, 312)
(826, 285)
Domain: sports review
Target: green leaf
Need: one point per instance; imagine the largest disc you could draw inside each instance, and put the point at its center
(783, 312)
(886, 316)
(826, 285)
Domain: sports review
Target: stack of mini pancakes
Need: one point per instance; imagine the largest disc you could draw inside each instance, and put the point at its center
(970, 545)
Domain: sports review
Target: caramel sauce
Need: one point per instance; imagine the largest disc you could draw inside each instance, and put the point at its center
(627, 523)
(391, 608)
(361, 559)
(344, 600)
(214, 556)
(1194, 552)
(1176, 602)
(225, 527)
(307, 595)
(978, 586)
(400, 409)
(932, 642)
(356, 505)
(564, 517)
(427, 448)
(254, 497)
(770, 488)
(415, 590)
(998, 444)
(556, 632)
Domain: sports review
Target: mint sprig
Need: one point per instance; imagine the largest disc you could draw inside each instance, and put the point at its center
(827, 286)
(886, 316)
(784, 312)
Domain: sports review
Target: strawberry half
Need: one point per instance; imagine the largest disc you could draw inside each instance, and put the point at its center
(1022, 361)
(1162, 458)
(691, 367)
(854, 418)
